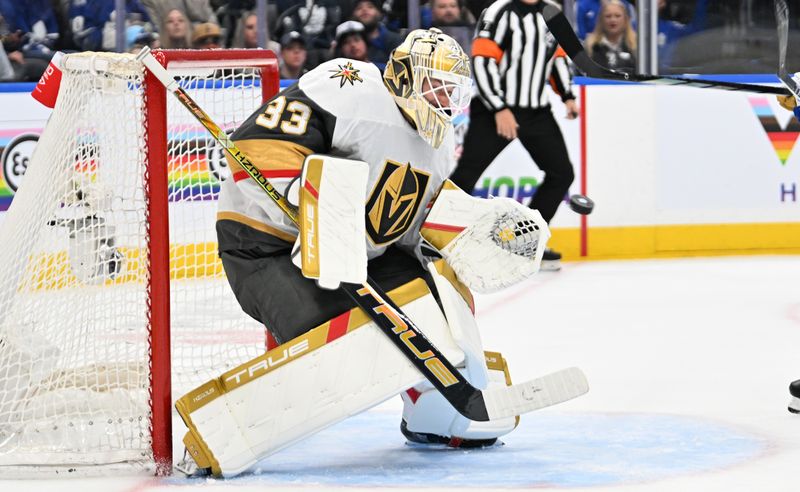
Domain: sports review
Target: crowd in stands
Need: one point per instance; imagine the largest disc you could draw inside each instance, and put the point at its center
(310, 31)
(608, 28)
(303, 33)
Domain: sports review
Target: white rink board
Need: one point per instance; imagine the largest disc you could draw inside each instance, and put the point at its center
(655, 155)
(661, 155)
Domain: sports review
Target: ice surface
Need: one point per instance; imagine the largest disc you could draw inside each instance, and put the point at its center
(689, 362)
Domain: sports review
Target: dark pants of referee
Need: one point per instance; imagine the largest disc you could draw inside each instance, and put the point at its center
(541, 137)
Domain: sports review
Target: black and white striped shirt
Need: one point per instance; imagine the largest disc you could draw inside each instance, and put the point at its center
(514, 56)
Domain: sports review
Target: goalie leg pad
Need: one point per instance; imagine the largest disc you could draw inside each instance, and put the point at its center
(454, 297)
(336, 370)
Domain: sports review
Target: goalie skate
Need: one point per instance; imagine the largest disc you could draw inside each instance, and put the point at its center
(551, 261)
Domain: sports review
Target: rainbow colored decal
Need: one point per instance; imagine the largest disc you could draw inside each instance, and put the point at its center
(6, 137)
(782, 139)
(191, 179)
(194, 168)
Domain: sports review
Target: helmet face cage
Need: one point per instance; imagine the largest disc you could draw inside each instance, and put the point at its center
(448, 94)
(429, 77)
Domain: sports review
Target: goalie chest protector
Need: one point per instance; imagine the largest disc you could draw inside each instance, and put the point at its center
(353, 116)
(405, 172)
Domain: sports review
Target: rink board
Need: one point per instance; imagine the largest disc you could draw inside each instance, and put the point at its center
(656, 160)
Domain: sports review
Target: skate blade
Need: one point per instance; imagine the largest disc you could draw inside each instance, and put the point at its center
(550, 266)
(444, 447)
(189, 468)
(794, 405)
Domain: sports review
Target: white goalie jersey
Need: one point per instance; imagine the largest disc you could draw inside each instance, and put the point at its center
(325, 113)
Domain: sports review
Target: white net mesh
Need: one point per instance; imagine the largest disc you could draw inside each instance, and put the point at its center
(74, 320)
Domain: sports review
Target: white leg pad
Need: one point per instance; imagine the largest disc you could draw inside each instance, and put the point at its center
(304, 386)
(463, 327)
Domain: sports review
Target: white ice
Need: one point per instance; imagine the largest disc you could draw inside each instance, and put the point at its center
(689, 362)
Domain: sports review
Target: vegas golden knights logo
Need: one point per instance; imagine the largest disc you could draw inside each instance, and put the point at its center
(394, 201)
(398, 76)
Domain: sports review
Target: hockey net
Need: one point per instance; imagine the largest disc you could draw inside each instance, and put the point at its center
(108, 252)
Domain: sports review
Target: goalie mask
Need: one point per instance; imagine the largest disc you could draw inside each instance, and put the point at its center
(428, 75)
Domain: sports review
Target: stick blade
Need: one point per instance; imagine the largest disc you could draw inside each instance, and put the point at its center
(543, 392)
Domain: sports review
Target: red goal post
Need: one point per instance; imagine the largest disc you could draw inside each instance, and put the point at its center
(156, 96)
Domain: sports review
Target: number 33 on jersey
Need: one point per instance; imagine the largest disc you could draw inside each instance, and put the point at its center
(341, 108)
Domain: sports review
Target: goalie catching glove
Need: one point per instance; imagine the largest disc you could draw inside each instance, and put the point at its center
(332, 235)
(490, 244)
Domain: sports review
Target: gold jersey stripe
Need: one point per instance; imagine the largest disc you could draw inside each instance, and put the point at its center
(271, 155)
(257, 225)
(438, 238)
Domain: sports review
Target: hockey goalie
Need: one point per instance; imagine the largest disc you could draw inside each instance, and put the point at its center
(365, 157)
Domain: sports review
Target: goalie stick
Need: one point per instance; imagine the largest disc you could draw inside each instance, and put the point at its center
(562, 30)
(471, 402)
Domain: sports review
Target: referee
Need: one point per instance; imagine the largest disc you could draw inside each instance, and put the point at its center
(514, 57)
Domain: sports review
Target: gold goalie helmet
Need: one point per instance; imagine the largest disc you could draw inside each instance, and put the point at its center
(428, 75)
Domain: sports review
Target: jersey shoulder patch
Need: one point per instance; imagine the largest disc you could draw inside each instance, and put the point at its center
(342, 86)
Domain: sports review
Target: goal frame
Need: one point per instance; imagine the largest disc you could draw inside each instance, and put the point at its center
(157, 220)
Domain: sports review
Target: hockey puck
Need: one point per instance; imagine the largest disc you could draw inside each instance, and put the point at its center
(581, 204)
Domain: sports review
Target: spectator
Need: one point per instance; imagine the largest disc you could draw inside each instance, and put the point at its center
(23, 69)
(612, 44)
(65, 41)
(670, 31)
(174, 32)
(230, 13)
(446, 13)
(351, 41)
(380, 40)
(93, 25)
(36, 22)
(396, 14)
(587, 12)
(453, 19)
(293, 55)
(195, 11)
(6, 70)
(137, 37)
(246, 35)
(315, 20)
(206, 36)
